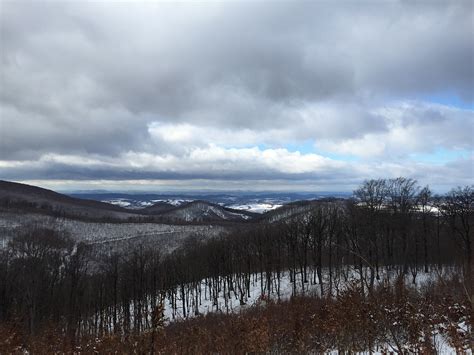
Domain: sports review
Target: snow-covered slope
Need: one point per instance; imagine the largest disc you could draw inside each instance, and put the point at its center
(202, 211)
(295, 209)
(165, 237)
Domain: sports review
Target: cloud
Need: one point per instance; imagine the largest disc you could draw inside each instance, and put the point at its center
(210, 162)
(411, 127)
(184, 90)
(275, 167)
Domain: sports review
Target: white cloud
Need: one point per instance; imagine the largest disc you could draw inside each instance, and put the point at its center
(220, 161)
(136, 89)
(412, 127)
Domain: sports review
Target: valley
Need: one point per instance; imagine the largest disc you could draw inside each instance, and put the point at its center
(135, 273)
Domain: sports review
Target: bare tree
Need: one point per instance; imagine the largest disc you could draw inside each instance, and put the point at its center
(458, 209)
(424, 200)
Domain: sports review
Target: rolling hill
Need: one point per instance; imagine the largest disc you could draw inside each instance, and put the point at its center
(26, 198)
(202, 211)
(16, 196)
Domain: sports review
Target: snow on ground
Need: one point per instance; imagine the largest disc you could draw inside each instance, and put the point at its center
(241, 215)
(165, 236)
(174, 202)
(119, 202)
(255, 207)
(251, 205)
(137, 204)
(227, 304)
(200, 299)
(284, 290)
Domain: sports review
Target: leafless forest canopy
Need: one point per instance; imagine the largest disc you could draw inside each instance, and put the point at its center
(389, 269)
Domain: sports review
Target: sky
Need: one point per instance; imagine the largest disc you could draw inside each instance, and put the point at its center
(236, 95)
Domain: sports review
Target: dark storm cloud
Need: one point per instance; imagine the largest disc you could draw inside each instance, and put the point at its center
(68, 172)
(92, 78)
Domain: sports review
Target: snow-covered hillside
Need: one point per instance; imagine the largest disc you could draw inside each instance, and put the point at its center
(166, 237)
(203, 211)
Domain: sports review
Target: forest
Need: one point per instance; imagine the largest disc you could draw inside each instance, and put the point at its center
(390, 269)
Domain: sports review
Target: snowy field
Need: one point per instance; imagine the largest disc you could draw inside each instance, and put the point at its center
(256, 207)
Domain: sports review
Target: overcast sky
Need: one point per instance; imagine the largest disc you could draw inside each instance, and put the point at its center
(283, 95)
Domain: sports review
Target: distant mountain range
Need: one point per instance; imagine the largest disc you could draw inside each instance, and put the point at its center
(259, 202)
(176, 208)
